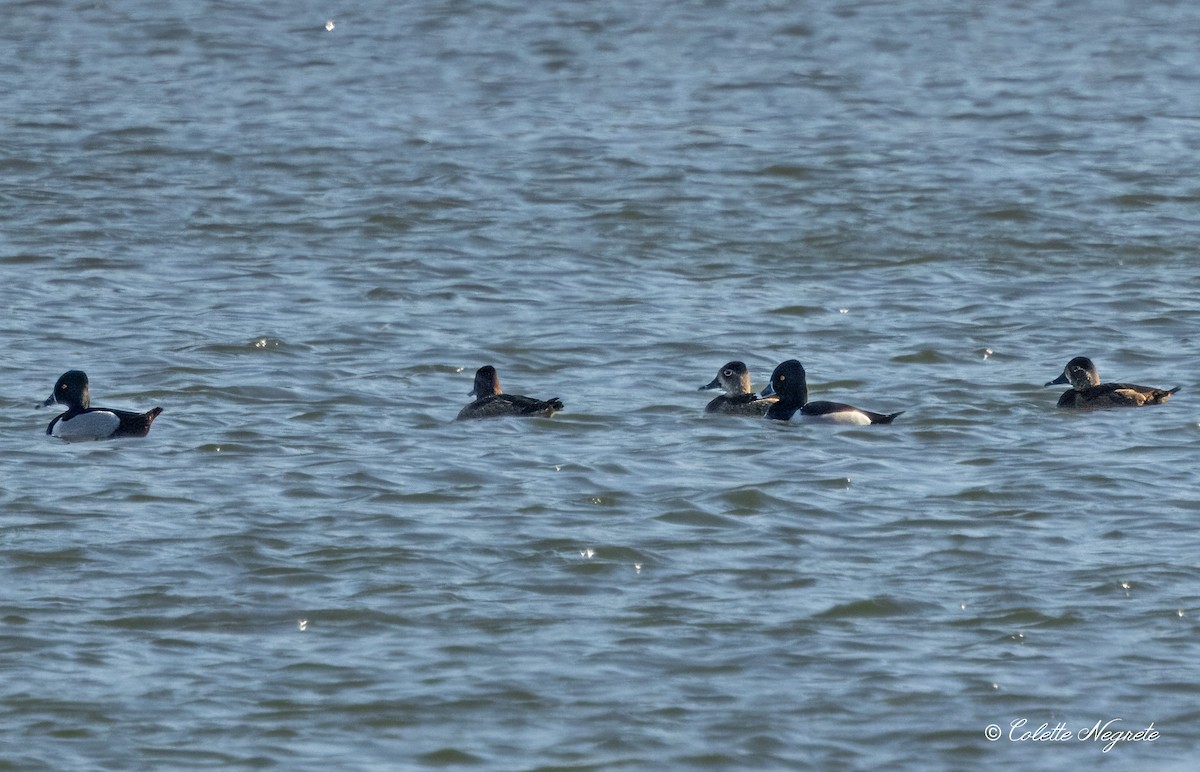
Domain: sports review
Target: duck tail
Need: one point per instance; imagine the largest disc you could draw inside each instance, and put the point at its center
(147, 419)
(885, 419)
(1162, 395)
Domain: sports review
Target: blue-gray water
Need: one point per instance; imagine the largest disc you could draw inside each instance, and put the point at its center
(301, 243)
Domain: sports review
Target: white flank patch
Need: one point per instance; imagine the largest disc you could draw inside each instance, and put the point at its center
(843, 417)
(96, 425)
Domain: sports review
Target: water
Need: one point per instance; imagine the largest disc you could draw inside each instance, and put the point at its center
(301, 243)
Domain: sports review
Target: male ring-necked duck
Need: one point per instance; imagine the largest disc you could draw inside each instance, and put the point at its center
(491, 402)
(83, 422)
(1088, 392)
(739, 398)
(788, 381)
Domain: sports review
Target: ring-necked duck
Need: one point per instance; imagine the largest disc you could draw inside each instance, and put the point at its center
(491, 402)
(788, 381)
(739, 398)
(1088, 392)
(83, 422)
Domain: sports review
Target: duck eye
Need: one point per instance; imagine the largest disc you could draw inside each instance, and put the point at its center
(727, 373)
(783, 377)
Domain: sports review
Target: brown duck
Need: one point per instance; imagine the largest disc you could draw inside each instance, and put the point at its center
(1088, 392)
(491, 402)
(739, 398)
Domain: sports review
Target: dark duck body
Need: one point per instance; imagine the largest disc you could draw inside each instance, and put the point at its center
(81, 421)
(1087, 392)
(790, 383)
(492, 402)
(739, 398)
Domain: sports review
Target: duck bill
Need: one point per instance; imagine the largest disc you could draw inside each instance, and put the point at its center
(49, 401)
(768, 392)
(1060, 379)
(715, 384)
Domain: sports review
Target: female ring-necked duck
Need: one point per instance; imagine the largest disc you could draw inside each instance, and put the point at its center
(789, 382)
(83, 422)
(1088, 392)
(739, 398)
(491, 402)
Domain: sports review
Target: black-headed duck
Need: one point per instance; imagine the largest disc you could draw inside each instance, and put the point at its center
(81, 421)
(789, 382)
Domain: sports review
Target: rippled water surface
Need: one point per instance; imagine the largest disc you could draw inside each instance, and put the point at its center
(302, 242)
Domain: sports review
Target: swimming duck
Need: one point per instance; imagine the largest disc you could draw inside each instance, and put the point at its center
(83, 422)
(491, 402)
(1088, 392)
(739, 398)
(788, 381)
